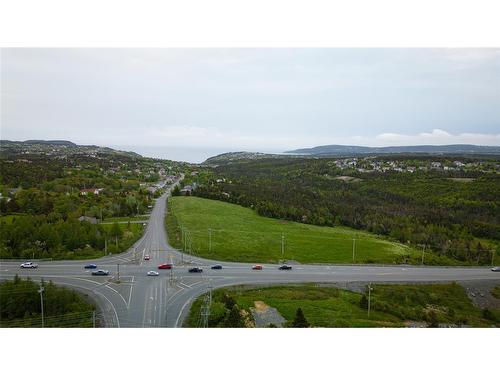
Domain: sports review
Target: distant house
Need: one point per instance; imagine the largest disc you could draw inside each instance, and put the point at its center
(94, 191)
(187, 190)
(91, 220)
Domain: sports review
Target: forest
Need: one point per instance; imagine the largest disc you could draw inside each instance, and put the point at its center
(453, 213)
(48, 210)
(21, 305)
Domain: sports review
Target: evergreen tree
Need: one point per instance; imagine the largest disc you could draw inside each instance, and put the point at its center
(234, 319)
(300, 320)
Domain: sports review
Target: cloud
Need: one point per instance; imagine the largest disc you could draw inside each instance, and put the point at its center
(437, 137)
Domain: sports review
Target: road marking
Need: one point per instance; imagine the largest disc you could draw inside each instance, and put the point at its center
(130, 294)
(180, 312)
(95, 291)
(185, 285)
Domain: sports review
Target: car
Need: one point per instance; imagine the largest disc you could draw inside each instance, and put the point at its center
(496, 269)
(153, 273)
(100, 273)
(29, 265)
(285, 267)
(165, 266)
(257, 267)
(196, 270)
(90, 266)
(216, 267)
(147, 257)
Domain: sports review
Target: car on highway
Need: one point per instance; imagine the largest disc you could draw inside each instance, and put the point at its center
(153, 273)
(257, 267)
(100, 273)
(285, 267)
(216, 267)
(147, 257)
(29, 265)
(496, 269)
(90, 266)
(165, 266)
(196, 270)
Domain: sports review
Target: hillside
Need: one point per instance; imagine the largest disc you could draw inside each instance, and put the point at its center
(57, 148)
(423, 149)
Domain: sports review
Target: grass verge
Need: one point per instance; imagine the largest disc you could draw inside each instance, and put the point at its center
(391, 306)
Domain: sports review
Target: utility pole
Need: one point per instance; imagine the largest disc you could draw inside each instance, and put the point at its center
(369, 297)
(93, 318)
(105, 246)
(492, 256)
(282, 246)
(118, 270)
(209, 240)
(41, 303)
(33, 255)
(423, 254)
(353, 248)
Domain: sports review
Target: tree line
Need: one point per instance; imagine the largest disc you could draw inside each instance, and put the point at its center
(429, 209)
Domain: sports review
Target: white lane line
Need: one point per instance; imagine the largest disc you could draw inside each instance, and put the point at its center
(199, 282)
(130, 294)
(185, 285)
(95, 291)
(174, 294)
(180, 313)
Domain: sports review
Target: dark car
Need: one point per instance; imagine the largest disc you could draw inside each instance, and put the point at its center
(196, 270)
(90, 266)
(100, 273)
(165, 266)
(216, 267)
(285, 267)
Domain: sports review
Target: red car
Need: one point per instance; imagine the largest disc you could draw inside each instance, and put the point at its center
(257, 267)
(147, 257)
(165, 266)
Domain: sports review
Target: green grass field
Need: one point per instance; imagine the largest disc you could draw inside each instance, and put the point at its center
(239, 234)
(392, 305)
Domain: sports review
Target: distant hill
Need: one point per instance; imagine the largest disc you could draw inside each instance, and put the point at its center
(57, 148)
(424, 149)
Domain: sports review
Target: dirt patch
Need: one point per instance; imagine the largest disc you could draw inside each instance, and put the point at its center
(260, 306)
(265, 315)
(460, 179)
(348, 179)
(479, 293)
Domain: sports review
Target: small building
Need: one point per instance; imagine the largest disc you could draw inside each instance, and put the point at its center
(187, 190)
(94, 191)
(91, 220)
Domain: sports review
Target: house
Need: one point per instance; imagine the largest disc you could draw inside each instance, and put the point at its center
(187, 190)
(91, 220)
(94, 191)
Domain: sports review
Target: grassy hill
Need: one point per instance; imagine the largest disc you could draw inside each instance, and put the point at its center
(239, 234)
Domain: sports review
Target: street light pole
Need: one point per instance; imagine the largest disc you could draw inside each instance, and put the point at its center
(369, 297)
(353, 247)
(282, 246)
(209, 240)
(423, 254)
(41, 304)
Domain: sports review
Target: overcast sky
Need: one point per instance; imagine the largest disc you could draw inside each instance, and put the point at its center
(251, 99)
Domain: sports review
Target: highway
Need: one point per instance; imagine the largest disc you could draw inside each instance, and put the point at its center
(130, 298)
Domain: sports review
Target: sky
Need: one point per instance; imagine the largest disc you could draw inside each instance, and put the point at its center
(250, 99)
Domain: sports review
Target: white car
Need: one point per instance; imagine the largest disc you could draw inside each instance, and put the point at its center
(153, 273)
(496, 269)
(29, 265)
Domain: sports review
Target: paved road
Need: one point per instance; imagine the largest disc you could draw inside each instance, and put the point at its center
(138, 300)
